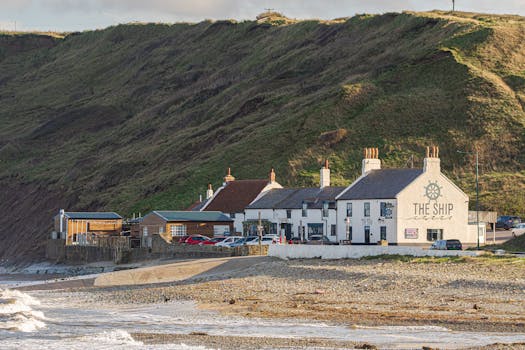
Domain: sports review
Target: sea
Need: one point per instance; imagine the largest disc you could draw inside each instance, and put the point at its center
(61, 320)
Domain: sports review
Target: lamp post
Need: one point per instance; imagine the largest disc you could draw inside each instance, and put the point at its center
(477, 189)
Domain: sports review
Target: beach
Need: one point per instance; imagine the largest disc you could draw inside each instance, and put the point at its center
(475, 294)
(267, 303)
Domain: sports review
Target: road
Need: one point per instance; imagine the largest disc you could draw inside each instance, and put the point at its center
(501, 236)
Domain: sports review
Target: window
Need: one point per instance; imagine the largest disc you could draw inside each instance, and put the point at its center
(145, 231)
(386, 210)
(333, 230)
(350, 233)
(288, 214)
(367, 209)
(383, 233)
(178, 230)
(315, 229)
(325, 209)
(434, 234)
(232, 215)
(348, 210)
(305, 209)
(161, 230)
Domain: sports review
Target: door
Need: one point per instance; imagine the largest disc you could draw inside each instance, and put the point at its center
(288, 231)
(367, 234)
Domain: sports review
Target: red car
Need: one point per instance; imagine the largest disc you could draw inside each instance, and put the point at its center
(196, 240)
(213, 241)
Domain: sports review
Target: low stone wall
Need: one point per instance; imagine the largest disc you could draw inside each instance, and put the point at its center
(117, 249)
(304, 251)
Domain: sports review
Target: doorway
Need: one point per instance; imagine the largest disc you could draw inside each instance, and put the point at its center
(367, 234)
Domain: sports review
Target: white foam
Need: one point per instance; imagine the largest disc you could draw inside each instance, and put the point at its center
(16, 313)
(116, 337)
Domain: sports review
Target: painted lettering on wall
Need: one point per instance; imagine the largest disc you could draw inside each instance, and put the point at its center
(433, 209)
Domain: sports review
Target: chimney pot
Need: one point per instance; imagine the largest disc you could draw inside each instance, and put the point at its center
(209, 192)
(229, 176)
(272, 176)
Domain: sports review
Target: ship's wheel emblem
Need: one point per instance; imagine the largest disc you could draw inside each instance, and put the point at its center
(432, 190)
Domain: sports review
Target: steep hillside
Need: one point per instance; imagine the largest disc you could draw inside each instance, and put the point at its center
(136, 117)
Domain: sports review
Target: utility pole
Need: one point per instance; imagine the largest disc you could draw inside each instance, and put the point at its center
(453, 5)
(477, 194)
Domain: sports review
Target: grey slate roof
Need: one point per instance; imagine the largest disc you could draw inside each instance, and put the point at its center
(92, 215)
(199, 216)
(293, 198)
(381, 184)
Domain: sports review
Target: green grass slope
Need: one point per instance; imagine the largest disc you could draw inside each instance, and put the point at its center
(137, 117)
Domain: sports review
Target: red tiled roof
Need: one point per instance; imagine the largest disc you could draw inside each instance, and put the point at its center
(236, 196)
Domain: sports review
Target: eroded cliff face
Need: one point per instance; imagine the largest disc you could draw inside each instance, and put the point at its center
(141, 117)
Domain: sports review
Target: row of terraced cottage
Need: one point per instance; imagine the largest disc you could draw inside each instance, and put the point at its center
(395, 206)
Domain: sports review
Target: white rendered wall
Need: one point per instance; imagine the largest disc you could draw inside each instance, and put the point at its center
(449, 212)
(305, 251)
(358, 221)
(314, 216)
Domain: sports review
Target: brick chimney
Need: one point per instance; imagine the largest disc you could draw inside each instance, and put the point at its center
(370, 160)
(209, 192)
(229, 177)
(325, 175)
(272, 176)
(432, 163)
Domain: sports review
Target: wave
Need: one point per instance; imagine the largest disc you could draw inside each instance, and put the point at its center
(17, 314)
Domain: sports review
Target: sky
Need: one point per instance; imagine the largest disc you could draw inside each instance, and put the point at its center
(78, 15)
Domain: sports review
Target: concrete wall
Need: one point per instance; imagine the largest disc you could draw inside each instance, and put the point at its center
(304, 251)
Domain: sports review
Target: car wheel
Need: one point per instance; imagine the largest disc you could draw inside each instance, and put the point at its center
(506, 227)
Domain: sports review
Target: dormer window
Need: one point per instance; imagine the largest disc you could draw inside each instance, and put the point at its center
(325, 209)
(305, 209)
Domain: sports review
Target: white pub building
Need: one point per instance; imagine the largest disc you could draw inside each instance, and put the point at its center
(404, 206)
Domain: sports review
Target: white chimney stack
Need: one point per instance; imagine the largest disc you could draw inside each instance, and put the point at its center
(325, 175)
(432, 163)
(371, 160)
(209, 192)
(61, 214)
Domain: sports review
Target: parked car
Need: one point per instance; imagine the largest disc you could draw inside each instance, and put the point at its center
(507, 221)
(213, 241)
(296, 240)
(228, 241)
(183, 239)
(518, 230)
(321, 240)
(243, 241)
(196, 240)
(447, 244)
(266, 240)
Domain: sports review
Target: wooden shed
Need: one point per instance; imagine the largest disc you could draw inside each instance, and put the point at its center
(82, 227)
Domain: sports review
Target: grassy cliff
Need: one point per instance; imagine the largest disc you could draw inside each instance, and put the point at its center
(136, 117)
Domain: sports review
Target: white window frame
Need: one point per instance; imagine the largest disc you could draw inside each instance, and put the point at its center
(178, 230)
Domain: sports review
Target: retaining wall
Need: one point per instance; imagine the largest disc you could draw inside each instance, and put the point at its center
(304, 251)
